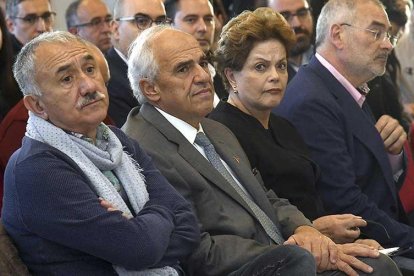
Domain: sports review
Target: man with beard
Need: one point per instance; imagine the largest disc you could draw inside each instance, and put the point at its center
(361, 160)
(298, 14)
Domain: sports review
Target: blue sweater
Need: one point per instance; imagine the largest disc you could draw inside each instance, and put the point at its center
(59, 227)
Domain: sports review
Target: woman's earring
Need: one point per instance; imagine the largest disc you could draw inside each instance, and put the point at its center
(235, 90)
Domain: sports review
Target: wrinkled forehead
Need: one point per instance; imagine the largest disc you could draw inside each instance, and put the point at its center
(33, 6)
(51, 57)
(369, 14)
(172, 46)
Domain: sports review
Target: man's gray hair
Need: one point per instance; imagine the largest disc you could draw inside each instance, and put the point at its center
(24, 68)
(141, 62)
(11, 7)
(334, 12)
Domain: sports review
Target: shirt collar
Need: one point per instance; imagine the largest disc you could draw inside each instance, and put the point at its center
(121, 55)
(102, 137)
(358, 96)
(185, 128)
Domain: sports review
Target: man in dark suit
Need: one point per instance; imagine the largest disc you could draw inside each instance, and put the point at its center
(361, 160)
(131, 18)
(243, 225)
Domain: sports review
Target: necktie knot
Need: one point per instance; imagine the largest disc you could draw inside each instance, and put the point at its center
(202, 140)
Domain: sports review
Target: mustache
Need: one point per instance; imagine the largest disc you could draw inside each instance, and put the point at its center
(90, 97)
(299, 30)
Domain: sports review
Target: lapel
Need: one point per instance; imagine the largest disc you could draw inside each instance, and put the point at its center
(117, 62)
(188, 152)
(361, 127)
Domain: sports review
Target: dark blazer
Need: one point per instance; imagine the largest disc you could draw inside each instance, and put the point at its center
(231, 236)
(121, 97)
(279, 154)
(356, 175)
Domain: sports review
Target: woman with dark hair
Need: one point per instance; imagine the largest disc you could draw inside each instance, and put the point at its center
(252, 58)
(9, 91)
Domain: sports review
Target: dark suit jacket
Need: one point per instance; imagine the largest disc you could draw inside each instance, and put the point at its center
(121, 97)
(356, 175)
(279, 154)
(231, 236)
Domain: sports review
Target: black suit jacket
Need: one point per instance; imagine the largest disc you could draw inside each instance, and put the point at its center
(121, 97)
(279, 154)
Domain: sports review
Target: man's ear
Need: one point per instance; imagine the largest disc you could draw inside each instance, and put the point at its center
(9, 24)
(336, 36)
(149, 90)
(73, 30)
(33, 103)
(115, 30)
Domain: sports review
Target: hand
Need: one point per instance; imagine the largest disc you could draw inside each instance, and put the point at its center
(348, 263)
(109, 207)
(340, 228)
(359, 250)
(391, 133)
(372, 243)
(322, 248)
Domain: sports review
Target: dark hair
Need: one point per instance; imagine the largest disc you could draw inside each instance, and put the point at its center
(395, 13)
(9, 92)
(171, 8)
(71, 14)
(241, 33)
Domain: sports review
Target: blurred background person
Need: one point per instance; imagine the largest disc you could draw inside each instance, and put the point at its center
(27, 19)
(90, 19)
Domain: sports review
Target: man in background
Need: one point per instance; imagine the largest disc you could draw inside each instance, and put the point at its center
(26, 19)
(90, 19)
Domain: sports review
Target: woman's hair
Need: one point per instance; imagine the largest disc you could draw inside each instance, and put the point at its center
(9, 92)
(240, 35)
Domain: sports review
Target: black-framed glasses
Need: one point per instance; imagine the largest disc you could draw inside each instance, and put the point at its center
(379, 35)
(301, 13)
(96, 22)
(48, 18)
(144, 21)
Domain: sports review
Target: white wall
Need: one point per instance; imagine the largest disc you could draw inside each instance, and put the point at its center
(60, 6)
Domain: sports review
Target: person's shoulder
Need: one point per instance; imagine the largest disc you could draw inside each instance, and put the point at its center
(216, 130)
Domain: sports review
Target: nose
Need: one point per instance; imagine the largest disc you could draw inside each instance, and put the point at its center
(41, 25)
(386, 44)
(86, 85)
(106, 27)
(202, 74)
(274, 75)
(201, 26)
(294, 21)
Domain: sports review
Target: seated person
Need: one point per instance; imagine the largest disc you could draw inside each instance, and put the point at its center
(253, 63)
(81, 198)
(13, 127)
(245, 229)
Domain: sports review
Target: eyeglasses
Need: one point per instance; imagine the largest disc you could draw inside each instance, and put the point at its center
(48, 18)
(300, 13)
(96, 22)
(379, 35)
(144, 22)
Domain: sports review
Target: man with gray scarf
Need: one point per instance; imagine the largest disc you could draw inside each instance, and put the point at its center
(81, 198)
